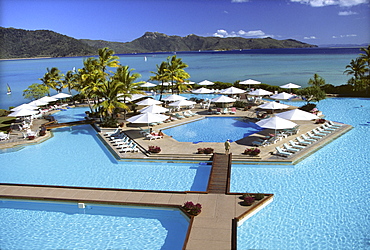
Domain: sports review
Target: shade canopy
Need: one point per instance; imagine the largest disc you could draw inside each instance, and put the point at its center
(148, 85)
(182, 103)
(297, 114)
(24, 106)
(165, 83)
(260, 92)
(250, 82)
(132, 98)
(190, 82)
(48, 99)
(202, 91)
(38, 103)
(174, 97)
(223, 99)
(147, 118)
(276, 122)
(232, 91)
(23, 112)
(282, 96)
(154, 109)
(148, 101)
(206, 82)
(61, 96)
(273, 105)
(290, 86)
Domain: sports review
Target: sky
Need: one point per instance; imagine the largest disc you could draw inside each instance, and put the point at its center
(317, 22)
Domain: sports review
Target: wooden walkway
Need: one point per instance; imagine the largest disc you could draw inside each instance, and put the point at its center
(220, 174)
(68, 124)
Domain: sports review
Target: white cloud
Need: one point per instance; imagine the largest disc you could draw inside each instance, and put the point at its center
(241, 33)
(347, 13)
(322, 3)
(309, 37)
(239, 1)
(344, 36)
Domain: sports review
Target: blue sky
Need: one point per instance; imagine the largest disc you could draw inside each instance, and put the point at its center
(312, 21)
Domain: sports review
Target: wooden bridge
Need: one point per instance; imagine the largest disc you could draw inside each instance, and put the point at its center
(219, 179)
(54, 124)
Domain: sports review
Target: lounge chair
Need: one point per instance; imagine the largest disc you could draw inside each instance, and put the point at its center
(302, 142)
(260, 143)
(192, 113)
(313, 136)
(281, 152)
(184, 113)
(218, 111)
(290, 149)
(327, 128)
(334, 124)
(232, 111)
(153, 137)
(321, 130)
(225, 111)
(306, 138)
(178, 116)
(318, 133)
(295, 145)
(123, 146)
(112, 132)
(133, 148)
(330, 126)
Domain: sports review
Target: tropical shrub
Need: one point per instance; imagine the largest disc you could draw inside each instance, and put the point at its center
(259, 196)
(154, 149)
(191, 208)
(248, 200)
(252, 151)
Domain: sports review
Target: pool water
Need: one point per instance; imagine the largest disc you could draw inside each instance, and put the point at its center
(320, 203)
(52, 225)
(213, 129)
(76, 157)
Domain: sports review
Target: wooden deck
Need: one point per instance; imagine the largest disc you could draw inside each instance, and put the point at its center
(68, 124)
(220, 174)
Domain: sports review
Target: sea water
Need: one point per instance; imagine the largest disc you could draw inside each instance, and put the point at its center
(272, 66)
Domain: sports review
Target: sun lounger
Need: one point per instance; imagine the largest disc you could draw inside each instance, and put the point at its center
(306, 138)
(290, 149)
(334, 124)
(184, 113)
(260, 143)
(321, 130)
(192, 113)
(133, 148)
(153, 137)
(178, 116)
(281, 152)
(328, 128)
(315, 132)
(295, 145)
(112, 132)
(313, 136)
(225, 111)
(302, 142)
(233, 111)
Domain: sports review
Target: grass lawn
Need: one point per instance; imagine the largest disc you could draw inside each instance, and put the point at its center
(5, 122)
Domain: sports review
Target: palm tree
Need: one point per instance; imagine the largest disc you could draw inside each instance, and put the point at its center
(127, 85)
(53, 79)
(107, 59)
(317, 81)
(357, 68)
(175, 70)
(366, 57)
(160, 76)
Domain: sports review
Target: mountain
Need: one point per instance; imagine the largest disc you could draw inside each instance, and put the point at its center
(18, 43)
(159, 42)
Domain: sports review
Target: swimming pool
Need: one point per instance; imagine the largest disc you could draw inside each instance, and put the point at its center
(213, 129)
(322, 202)
(55, 225)
(76, 157)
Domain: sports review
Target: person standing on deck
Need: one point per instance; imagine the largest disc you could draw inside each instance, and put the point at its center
(227, 146)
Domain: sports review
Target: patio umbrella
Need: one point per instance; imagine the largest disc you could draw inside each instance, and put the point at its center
(61, 96)
(174, 97)
(182, 103)
(23, 112)
(202, 91)
(165, 84)
(282, 96)
(154, 109)
(133, 97)
(273, 105)
(232, 91)
(290, 86)
(206, 82)
(38, 103)
(260, 92)
(147, 118)
(297, 114)
(148, 85)
(48, 99)
(250, 82)
(148, 101)
(223, 99)
(275, 123)
(24, 106)
(190, 82)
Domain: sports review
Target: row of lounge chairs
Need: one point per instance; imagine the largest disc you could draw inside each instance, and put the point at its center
(274, 139)
(224, 111)
(122, 142)
(4, 136)
(150, 135)
(307, 139)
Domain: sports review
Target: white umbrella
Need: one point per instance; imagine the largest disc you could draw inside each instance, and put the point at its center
(38, 103)
(273, 105)
(173, 97)
(165, 83)
(182, 103)
(48, 99)
(249, 82)
(148, 101)
(133, 97)
(290, 86)
(223, 99)
(61, 96)
(297, 114)
(260, 92)
(24, 106)
(153, 109)
(206, 82)
(276, 123)
(148, 85)
(282, 96)
(232, 91)
(202, 91)
(191, 83)
(147, 118)
(23, 112)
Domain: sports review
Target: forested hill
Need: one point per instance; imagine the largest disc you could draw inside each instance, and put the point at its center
(18, 43)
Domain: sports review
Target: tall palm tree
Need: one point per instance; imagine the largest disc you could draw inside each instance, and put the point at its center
(107, 59)
(127, 85)
(175, 71)
(53, 79)
(366, 57)
(357, 68)
(160, 76)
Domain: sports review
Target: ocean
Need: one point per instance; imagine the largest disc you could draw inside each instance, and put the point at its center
(270, 66)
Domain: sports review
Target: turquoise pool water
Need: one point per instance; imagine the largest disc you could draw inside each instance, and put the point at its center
(76, 157)
(52, 225)
(213, 129)
(322, 202)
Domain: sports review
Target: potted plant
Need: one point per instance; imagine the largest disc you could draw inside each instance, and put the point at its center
(191, 208)
(252, 151)
(208, 150)
(248, 201)
(200, 151)
(154, 149)
(258, 196)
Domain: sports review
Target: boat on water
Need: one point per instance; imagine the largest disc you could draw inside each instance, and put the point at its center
(9, 91)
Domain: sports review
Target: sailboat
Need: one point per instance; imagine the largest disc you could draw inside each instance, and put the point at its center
(9, 91)
(145, 59)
